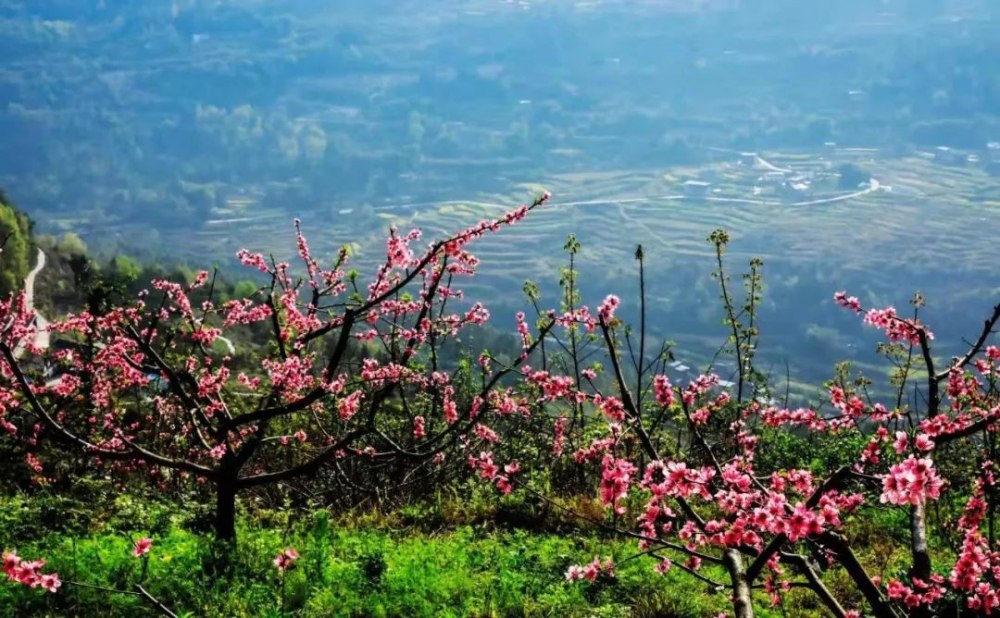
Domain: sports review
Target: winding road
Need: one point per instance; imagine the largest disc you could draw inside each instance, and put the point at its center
(761, 161)
(42, 335)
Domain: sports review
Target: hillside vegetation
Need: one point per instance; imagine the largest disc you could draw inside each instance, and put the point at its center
(17, 243)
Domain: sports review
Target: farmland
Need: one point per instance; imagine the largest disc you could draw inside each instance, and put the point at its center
(909, 233)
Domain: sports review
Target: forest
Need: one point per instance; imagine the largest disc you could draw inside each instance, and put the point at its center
(160, 112)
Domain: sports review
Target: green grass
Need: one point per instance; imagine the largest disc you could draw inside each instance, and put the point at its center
(417, 562)
(446, 557)
(463, 572)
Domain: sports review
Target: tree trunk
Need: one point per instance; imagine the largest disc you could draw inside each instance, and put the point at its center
(224, 545)
(918, 542)
(225, 512)
(742, 602)
(921, 568)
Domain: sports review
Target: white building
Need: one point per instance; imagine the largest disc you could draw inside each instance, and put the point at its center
(772, 178)
(696, 187)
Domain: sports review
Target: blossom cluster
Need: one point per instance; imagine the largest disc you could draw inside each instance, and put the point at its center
(286, 560)
(887, 320)
(28, 572)
(912, 481)
(591, 571)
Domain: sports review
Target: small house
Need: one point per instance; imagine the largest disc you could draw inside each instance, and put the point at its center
(696, 187)
(772, 178)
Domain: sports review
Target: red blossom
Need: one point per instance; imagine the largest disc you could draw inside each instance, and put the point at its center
(286, 560)
(142, 547)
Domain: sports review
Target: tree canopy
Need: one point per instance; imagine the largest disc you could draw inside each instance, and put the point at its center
(16, 242)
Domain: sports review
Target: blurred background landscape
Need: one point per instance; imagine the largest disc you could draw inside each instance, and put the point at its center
(852, 144)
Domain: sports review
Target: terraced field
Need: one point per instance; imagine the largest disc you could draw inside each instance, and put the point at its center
(920, 226)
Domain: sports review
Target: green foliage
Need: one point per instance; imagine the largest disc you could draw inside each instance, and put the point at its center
(781, 449)
(245, 289)
(71, 244)
(421, 563)
(125, 268)
(342, 572)
(16, 241)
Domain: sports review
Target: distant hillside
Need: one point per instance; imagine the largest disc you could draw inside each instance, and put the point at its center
(16, 240)
(148, 126)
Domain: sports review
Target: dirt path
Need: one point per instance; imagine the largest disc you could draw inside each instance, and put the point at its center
(873, 186)
(42, 337)
(761, 161)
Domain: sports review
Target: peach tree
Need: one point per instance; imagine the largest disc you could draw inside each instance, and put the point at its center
(349, 374)
(684, 465)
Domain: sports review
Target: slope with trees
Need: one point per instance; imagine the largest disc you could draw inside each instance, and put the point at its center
(16, 244)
